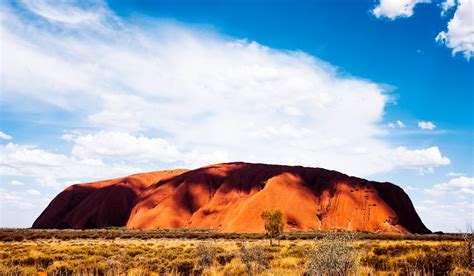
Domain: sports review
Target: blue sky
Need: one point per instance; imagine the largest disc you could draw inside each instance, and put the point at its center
(377, 89)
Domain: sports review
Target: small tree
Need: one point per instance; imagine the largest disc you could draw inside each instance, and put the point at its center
(273, 224)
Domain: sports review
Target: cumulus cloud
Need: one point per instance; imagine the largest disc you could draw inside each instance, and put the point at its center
(453, 213)
(5, 136)
(459, 35)
(461, 186)
(199, 97)
(450, 202)
(426, 125)
(115, 145)
(393, 9)
(123, 146)
(51, 169)
(447, 5)
(423, 160)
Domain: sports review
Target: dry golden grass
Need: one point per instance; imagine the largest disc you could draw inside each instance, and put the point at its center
(200, 252)
(179, 257)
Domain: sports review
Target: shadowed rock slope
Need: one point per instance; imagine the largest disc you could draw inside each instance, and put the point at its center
(230, 198)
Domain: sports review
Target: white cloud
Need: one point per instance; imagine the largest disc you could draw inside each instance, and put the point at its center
(455, 174)
(14, 200)
(216, 98)
(423, 160)
(426, 125)
(398, 123)
(460, 33)
(409, 188)
(64, 12)
(460, 186)
(447, 5)
(5, 136)
(67, 137)
(450, 202)
(123, 146)
(453, 214)
(33, 192)
(393, 9)
(16, 183)
(460, 182)
(401, 124)
(51, 169)
(20, 208)
(428, 201)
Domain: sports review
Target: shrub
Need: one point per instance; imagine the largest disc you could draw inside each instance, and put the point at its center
(377, 262)
(439, 263)
(158, 264)
(132, 252)
(60, 267)
(254, 258)
(334, 253)
(225, 257)
(296, 251)
(206, 254)
(19, 238)
(234, 268)
(182, 265)
(286, 263)
(114, 264)
(437, 260)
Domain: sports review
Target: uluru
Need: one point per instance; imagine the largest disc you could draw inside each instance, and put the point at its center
(230, 197)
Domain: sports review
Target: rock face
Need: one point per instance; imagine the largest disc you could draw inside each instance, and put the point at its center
(98, 204)
(231, 197)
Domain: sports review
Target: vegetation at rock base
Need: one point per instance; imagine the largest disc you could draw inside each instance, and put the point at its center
(99, 252)
(12, 234)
